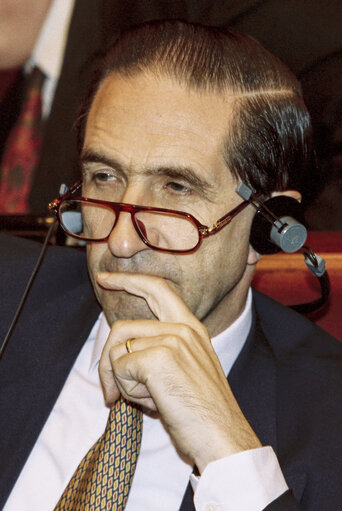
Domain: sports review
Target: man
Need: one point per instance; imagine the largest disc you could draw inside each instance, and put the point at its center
(179, 116)
(39, 44)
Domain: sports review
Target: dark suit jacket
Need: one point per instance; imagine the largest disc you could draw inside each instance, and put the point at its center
(287, 379)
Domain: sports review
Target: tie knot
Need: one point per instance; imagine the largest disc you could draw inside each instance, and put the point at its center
(35, 79)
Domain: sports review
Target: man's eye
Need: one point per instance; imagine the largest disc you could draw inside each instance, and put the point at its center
(102, 177)
(179, 187)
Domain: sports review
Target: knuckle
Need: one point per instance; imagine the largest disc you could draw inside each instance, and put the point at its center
(161, 284)
(185, 331)
(118, 326)
(202, 330)
(165, 351)
(120, 329)
(190, 333)
(174, 343)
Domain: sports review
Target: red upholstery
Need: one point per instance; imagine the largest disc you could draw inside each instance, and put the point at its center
(286, 278)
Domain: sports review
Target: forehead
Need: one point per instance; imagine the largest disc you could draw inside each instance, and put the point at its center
(152, 120)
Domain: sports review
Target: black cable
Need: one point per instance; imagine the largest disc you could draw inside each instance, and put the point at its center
(316, 265)
(28, 287)
(305, 308)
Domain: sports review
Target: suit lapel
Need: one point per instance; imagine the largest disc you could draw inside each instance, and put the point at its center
(29, 392)
(253, 382)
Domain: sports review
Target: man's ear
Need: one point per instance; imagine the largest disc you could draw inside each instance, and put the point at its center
(294, 194)
(253, 255)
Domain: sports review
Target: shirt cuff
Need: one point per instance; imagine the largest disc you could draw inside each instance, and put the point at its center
(246, 481)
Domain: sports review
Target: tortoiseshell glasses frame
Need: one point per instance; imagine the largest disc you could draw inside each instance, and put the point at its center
(204, 231)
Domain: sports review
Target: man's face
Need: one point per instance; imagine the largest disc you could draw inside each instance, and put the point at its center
(150, 141)
(20, 23)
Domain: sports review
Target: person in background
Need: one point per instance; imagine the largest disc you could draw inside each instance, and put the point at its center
(33, 38)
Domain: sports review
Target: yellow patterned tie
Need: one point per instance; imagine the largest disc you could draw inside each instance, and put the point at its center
(103, 479)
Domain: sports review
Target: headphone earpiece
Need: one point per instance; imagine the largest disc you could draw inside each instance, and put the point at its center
(275, 228)
(278, 225)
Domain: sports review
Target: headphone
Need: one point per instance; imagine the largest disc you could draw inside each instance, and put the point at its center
(278, 225)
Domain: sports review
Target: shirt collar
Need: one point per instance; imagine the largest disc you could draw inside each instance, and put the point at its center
(227, 344)
(49, 49)
(101, 337)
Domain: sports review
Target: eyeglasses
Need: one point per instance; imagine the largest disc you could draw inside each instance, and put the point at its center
(166, 230)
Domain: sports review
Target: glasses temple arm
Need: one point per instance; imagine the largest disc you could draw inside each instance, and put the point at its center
(257, 201)
(64, 193)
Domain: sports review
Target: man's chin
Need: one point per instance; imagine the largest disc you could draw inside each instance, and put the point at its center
(119, 305)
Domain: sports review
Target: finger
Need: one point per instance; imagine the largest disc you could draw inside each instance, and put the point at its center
(126, 377)
(131, 387)
(134, 329)
(115, 355)
(126, 371)
(111, 384)
(163, 301)
(145, 332)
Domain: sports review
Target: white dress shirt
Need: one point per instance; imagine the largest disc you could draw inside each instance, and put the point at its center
(247, 481)
(48, 52)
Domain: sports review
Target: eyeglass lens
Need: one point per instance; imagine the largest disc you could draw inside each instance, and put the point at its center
(169, 231)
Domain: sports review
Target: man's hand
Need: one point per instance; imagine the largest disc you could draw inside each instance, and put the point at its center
(173, 370)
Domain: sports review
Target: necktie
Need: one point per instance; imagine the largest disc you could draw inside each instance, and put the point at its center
(21, 154)
(103, 479)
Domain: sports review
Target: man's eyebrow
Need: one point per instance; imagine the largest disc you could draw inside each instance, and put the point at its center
(184, 173)
(202, 185)
(90, 156)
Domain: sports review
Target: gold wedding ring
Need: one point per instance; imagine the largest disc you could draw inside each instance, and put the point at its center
(128, 345)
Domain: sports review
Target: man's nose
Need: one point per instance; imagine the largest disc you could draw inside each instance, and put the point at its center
(124, 241)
